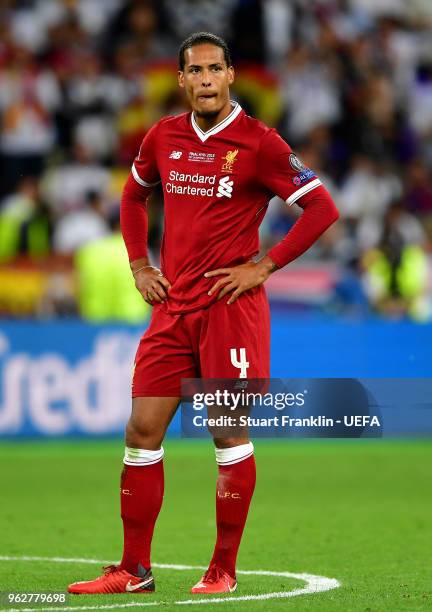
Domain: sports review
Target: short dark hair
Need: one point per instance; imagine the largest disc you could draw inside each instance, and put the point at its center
(203, 38)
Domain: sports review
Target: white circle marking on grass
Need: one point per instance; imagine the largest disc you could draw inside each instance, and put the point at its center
(314, 584)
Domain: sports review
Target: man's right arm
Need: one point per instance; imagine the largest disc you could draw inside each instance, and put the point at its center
(143, 177)
(134, 221)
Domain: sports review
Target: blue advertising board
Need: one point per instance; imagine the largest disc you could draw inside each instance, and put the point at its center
(71, 378)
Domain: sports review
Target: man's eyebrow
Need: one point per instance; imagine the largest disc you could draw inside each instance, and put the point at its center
(200, 65)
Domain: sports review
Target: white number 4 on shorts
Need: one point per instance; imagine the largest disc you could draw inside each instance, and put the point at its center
(241, 364)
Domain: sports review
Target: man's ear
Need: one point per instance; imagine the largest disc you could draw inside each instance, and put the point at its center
(231, 75)
(180, 77)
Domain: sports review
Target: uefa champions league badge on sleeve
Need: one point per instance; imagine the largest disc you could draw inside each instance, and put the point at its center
(296, 163)
(303, 176)
(304, 173)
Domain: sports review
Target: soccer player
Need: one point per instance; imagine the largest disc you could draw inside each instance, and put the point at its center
(218, 168)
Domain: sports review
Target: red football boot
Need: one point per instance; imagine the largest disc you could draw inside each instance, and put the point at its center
(115, 580)
(215, 580)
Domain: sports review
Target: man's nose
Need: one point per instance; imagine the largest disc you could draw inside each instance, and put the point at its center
(206, 81)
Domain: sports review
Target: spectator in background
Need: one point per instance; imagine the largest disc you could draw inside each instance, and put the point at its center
(277, 19)
(66, 186)
(420, 103)
(396, 271)
(6, 41)
(138, 22)
(186, 16)
(246, 30)
(418, 196)
(93, 97)
(310, 91)
(34, 21)
(28, 98)
(106, 289)
(79, 227)
(25, 223)
(366, 193)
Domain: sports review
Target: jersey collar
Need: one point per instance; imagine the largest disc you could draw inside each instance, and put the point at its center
(220, 126)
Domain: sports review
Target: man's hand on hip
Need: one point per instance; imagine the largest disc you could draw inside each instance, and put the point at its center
(241, 278)
(151, 283)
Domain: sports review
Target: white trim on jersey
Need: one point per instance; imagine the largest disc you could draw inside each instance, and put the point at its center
(140, 180)
(220, 126)
(301, 192)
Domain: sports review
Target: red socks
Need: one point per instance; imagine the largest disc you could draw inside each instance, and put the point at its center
(234, 490)
(141, 494)
(142, 486)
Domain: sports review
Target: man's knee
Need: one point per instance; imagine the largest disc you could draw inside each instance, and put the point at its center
(229, 442)
(149, 421)
(140, 434)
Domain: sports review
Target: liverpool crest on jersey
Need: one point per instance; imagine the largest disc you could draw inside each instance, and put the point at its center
(230, 158)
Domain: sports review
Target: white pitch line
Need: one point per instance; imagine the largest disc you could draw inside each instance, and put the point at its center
(314, 584)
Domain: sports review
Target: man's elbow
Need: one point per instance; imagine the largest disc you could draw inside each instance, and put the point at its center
(321, 205)
(334, 214)
(328, 206)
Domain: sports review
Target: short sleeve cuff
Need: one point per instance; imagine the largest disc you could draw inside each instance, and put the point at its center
(141, 181)
(302, 191)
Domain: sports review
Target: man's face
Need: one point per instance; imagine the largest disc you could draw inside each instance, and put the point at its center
(206, 79)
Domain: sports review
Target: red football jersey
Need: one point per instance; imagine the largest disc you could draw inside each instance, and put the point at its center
(216, 187)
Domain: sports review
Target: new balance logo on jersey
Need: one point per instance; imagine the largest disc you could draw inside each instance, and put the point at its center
(225, 187)
(176, 154)
(241, 364)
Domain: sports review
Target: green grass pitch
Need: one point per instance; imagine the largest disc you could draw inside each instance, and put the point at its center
(356, 511)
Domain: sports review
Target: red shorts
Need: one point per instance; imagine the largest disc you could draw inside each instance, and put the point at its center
(220, 341)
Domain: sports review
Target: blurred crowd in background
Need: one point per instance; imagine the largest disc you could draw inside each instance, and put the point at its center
(348, 83)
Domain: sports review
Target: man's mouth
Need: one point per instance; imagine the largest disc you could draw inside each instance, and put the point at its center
(204, 97)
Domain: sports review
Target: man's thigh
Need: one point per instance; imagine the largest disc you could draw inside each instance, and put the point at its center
(163, 358)
(235, 338)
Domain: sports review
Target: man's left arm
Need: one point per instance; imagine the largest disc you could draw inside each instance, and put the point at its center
(319, 212)
(282, 173)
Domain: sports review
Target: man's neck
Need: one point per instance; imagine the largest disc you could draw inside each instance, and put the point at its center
(207, 123)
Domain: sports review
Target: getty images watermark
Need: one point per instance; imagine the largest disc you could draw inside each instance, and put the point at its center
(233, 403)
(343, 407)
